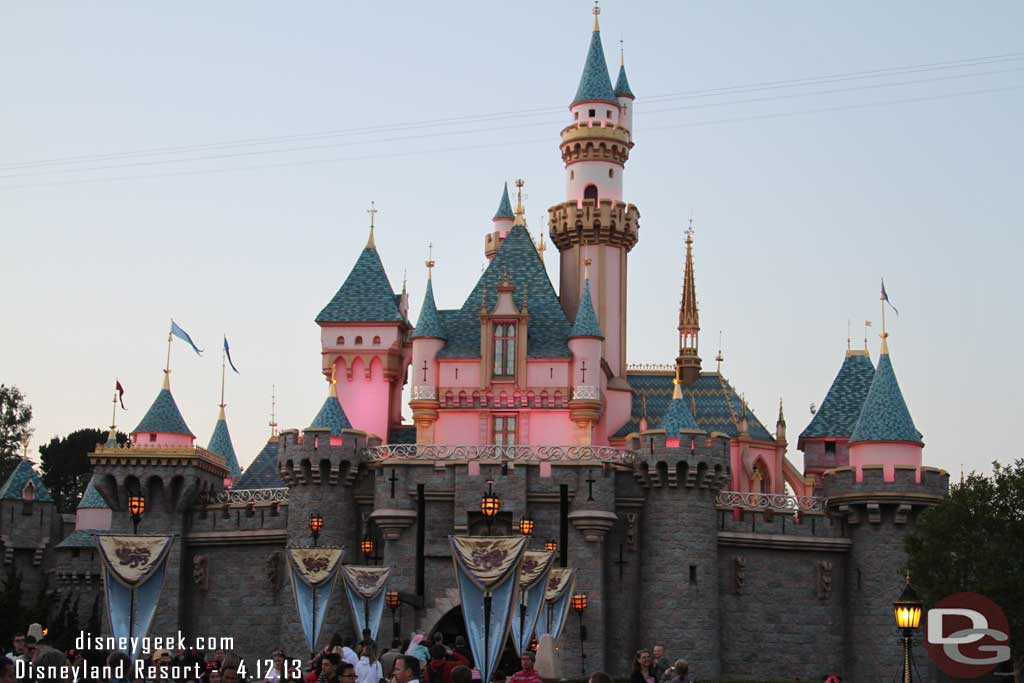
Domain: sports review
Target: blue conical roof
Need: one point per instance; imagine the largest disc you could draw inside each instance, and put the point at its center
(429, 324)
(262, 472)
(678, 417)
(504, 206)
(22, 475)
(838, 413)
(595, 84)
(331, 416)
(163, 416)
(365, 296)
(885, 416)
(622, 88)
(586, 324)
(220, 443)
(91, 499)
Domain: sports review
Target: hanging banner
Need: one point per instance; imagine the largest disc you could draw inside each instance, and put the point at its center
(364, 587)
(557, 599)
(313, 572)
(133, 576)
(533, 582)
(487, 569)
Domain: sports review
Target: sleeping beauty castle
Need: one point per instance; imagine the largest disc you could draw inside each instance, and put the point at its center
(678, 510)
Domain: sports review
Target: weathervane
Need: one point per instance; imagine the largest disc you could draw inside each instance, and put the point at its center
(430, 263)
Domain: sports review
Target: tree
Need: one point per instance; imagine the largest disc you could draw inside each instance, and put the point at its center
(971, 541)
(65, 464)
(15, 416)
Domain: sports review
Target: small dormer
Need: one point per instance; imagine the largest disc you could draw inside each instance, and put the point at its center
(503, 335)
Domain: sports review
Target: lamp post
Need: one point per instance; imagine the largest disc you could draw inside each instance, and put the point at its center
(579, 604)
(490, 505)
(392, 600)
(316, 523)
(908, 617)
(137, 507)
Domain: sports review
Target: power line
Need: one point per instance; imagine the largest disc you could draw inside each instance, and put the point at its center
(497, 116)
(546, 140)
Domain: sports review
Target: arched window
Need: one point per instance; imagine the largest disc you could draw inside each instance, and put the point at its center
(558, 399)
(590, 192)
(463, 400)
(359, 341)
(376, 341)
(341, 341)
(611, 172)
(505, 350)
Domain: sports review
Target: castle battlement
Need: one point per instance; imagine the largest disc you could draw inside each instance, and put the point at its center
(315, 456)
(705, 465)
(604, 221)
(841, 484)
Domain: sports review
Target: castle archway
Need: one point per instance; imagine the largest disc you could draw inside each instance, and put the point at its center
(452, 625)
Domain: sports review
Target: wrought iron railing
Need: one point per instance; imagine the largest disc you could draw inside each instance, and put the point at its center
(586, 392)
(497, 454)
(655, 367)
(771, 501)
(276, 495)
(424, 393)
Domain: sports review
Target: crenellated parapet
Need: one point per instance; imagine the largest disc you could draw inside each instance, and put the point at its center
(309, 458)
(698, 461)
(602, 221)
(865, 499)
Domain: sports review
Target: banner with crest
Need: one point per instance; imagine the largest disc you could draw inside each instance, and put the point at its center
(533, 581)
(133, 570)
(364, 587)
(557, 599)
(313, 572)
(487, 569)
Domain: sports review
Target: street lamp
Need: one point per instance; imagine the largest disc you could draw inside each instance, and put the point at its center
(366, 545)
(316, 523)
(526, 526)
(579, 604)
(137, 507)
(392, 600)
(490, 505)
(551, 546)
(908, 617)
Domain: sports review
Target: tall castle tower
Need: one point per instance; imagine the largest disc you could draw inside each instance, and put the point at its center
(594, 222)
(688, 360)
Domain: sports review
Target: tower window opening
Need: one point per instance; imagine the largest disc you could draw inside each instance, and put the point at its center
(341, 341)
(505, 350)
(611, 172)
(572, 175)
(693, 574)
(505, 430)
(376, 341)
(359, 341)
(830, 448)
(592, 113)
(590, 192)
(152, 438)
(608, 113)
(576, 116)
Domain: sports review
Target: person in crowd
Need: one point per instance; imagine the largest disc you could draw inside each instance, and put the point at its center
(7, 668)
(462, 649)
(368, 670)
(229, 674)
(387, 660)
(18, 643)
(659, 661)
(642, 672)
(434, 672)
(346, 673)
(119, 662)
(407, 669)
(328, 670)
(526, 673)
(49, 660)
(461, 674)
(439, 640)
(276, 672)
(367, 637)
(499, 677)
(211, 674)
(677, 673)
(599, 677)
(29, 655)
(418, 650)
(348, 652)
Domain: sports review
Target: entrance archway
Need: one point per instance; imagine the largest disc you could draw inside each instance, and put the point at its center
(452, 625)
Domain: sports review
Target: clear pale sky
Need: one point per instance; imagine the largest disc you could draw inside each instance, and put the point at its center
(803, 197)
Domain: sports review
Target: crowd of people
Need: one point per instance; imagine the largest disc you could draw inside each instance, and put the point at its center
(343, 660)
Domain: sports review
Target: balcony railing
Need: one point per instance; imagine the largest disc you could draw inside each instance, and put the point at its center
(424, 393)
(586, 392)
(497, 454)
(771, 501)
(276, 495)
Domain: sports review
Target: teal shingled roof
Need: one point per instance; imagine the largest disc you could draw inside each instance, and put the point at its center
(713, 402)
(678, 417)
(365, 296)
(220, 443)
(548, 330)
(504, 206)
(586, 324)
(885, 416)
(163, 416)
(595, 83)
(22, 475)
(429, 324)
(80, 538)
(91, 499)
(839, 411)
(331, 416)
(622, 85)
(262, 472)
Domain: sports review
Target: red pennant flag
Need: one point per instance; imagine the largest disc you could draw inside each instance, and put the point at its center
(120, 393)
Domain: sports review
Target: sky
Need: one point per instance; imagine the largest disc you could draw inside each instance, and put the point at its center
(214, 162)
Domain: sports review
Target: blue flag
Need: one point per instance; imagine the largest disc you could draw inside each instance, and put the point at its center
(227, 351)
(885, 298)
(182, 334)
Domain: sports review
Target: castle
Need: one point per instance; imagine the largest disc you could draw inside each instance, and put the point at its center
(680, 510)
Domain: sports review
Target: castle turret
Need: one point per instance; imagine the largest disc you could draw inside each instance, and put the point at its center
(503, 221)
(688, 360)
(220, 443)
(594, 218)
(163, 425)
(332, 418)
(585, 340)
(625, 96)
(427, 339)
(681, 429)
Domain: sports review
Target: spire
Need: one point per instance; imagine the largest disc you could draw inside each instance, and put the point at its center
(595, 84)
(541, 247)
(429, 324)
(332, 415)
(678, 416)
(622, 88)
(23, 475)
(370, 244)
(504, 206)
(586, 324)
(221, 444)
(520, 211)
(163, 416)
(688, 362)
(838, 413)
(273, 412)
(885, 416)
(597, 12)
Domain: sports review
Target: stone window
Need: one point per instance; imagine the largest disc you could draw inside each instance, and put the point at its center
(359, 341)
(572, 175)
(376, 341)
(590, 192)
(608, 113)
(505, 350)
(830, 448)
(576, 116)
(592, 113)
(341, 341)
(505, 430)
(152, 438)
(611, 172)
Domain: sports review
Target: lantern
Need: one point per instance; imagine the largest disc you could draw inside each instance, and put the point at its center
(551, 546)
(908, 608)
(490, 504)
(526, 526)
(316, 523)
(579, 602)
(136, 507)
(366, 545)
(392, 600)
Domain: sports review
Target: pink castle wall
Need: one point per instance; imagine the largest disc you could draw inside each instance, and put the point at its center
(366, 401)
(329, 336)
(98, 519)
(141, 440)
(551, 427)
(457, 427)
(547, 373)
(886, 454)
(469, 373)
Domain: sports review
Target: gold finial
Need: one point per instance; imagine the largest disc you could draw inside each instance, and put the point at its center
(719, 357)
(370, 244)
(541, 247)
(25, 441)
(430, 263)
(622, 52)
(333, 391)
(596, 11)
(781, 418)
(848, 347)
(520, 211)
(273, 411)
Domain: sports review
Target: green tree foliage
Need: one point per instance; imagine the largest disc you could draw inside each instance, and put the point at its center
(10, 606)
(65, 464)
(15, 416)
(972, 541)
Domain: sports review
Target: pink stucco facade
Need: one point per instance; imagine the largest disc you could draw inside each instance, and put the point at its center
(888, 455)
(365, 395)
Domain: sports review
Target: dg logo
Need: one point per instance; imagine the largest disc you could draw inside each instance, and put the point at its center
(967, 635)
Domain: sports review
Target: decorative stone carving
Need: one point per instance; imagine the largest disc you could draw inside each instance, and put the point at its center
(739, 569)
(392, 522)
(273, 571)
(200, 573)
(594, 524)
(632, 530)
(824, 579)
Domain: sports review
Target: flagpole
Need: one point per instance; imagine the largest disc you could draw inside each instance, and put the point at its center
(167, 368)
(113, 412)
(223, 365)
